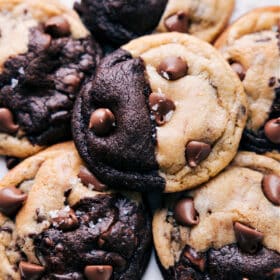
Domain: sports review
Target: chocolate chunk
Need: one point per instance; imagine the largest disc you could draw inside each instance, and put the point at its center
(65, 220)
(162, 107)
(239, 70)
(272, 130)
(30, 271)
(57, 27)
(196, 152)
(185, 213)
(7, 124)
(173, 68)
(248, 239)
(11, 162)
(195, 258)
(271, 188)
(272, 82)
(39, 41)
(88, 178)
(102, 121)
(11, 199)
(179, 22)
(98, 272)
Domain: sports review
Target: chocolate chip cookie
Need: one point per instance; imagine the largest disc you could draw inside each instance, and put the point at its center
(58, 221)
(120, 21)
(164, 113)
(228, 229)
(252, 47)
(45, 55)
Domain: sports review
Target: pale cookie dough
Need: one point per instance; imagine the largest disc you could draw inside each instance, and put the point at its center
(45, 55)
(178, 124)
(117, 22)
(61, 210)
(252, 46)
(200, 233)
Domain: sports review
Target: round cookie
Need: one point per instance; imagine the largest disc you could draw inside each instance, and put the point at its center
(45, 55)
(117, 22)
(65, 224)
(165, 112)
(227, 229)
(252, 46)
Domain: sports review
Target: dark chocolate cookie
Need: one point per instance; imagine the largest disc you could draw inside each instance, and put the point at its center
(46, 55)
(252, 47)
(160, 116)
(67, 224)
(228, 229)
(120, 21)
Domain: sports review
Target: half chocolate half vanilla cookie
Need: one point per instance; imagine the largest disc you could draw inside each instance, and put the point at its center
(228, 229)
(252, 46)
(164, 112)
(45, 55)
(57, 221)
(119, 21)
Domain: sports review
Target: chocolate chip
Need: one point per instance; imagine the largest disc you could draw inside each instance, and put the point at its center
(72, 80)
(271, 188)
(196, 152)
(11, 199)
(173, 68)
(39, 41)
(161, 107)
(7, 124)
(102, 121)
(179, 22)
(30, 271)
(88, 178)
(65, 220)
(98, 272)
(195, 258)
(272, 81)
(248, 239)
(272, 130)
(57, 27)
(185, 213)
(239, 70)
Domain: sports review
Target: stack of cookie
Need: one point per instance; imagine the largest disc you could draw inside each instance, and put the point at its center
(166, 115)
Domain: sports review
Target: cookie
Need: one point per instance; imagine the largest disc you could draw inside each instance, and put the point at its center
(227, 229)
(118, 22)
(252, 46)
(163, 113)
(65, 224)
(45, 55)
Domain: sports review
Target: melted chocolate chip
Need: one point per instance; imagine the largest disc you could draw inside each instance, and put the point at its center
(272, 130)
(161, 107)
(57, 27)
(30, 271)
(248, 239)
(196, 152)
(11, 199)
(88, 178)
(102, 121)
(185, 213)
(239, 70)
(65, 220)
(173, 68)
(195, 258)
(7, 124)
(98, 272)
(271, 188)
(179, 22)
